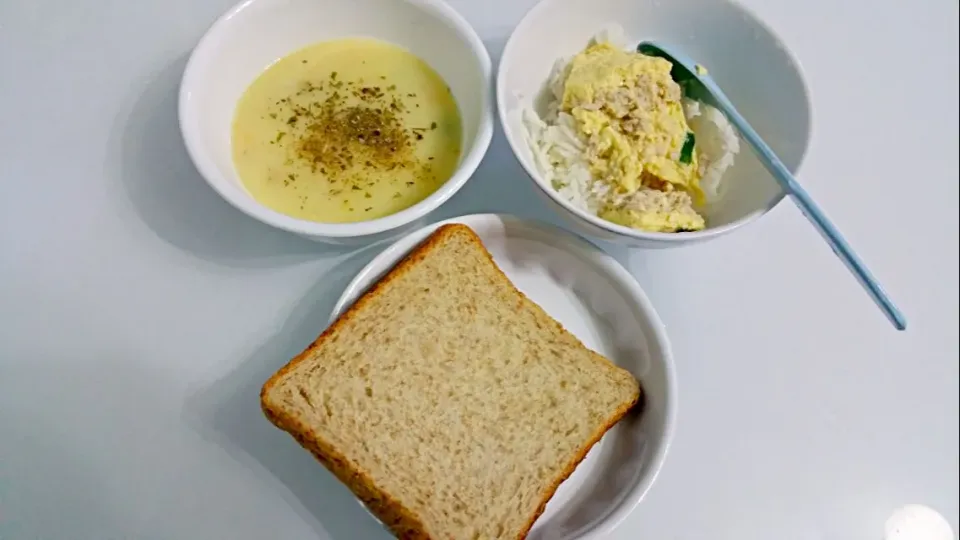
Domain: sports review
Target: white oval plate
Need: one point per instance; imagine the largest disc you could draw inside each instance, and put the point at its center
(598, 301)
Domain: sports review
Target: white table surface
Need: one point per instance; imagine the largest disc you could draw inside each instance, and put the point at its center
(140, 313)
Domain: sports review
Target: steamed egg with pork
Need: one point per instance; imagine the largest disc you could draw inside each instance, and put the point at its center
(618, 142)
(627, 109)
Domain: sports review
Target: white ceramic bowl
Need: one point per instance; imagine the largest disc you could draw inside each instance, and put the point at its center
(743, 55)
(255, 33)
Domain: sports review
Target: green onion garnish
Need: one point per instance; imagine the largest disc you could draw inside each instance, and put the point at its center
(686, 152)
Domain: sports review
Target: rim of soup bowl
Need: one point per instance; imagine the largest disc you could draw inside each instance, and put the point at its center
(193, 76)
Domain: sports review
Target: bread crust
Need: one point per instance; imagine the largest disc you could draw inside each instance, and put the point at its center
(402, 521)
(572, 466)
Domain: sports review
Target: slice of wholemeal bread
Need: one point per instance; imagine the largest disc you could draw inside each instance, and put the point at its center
(451, 404)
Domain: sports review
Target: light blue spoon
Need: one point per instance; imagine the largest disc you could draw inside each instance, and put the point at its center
(699, 85)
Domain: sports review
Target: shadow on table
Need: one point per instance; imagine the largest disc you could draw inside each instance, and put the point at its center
(228, 413)
(63, 465)
(172, 199)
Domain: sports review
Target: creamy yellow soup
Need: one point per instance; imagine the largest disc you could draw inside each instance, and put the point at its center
(346, 130)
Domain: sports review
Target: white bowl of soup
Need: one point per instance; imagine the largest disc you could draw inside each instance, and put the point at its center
(344, 121)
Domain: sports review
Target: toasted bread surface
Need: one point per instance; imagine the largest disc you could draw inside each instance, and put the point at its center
(447, 401)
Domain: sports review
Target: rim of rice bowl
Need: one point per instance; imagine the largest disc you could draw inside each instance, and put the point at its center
(613, 34)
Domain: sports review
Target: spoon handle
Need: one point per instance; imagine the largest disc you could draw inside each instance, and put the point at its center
(813, 213)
